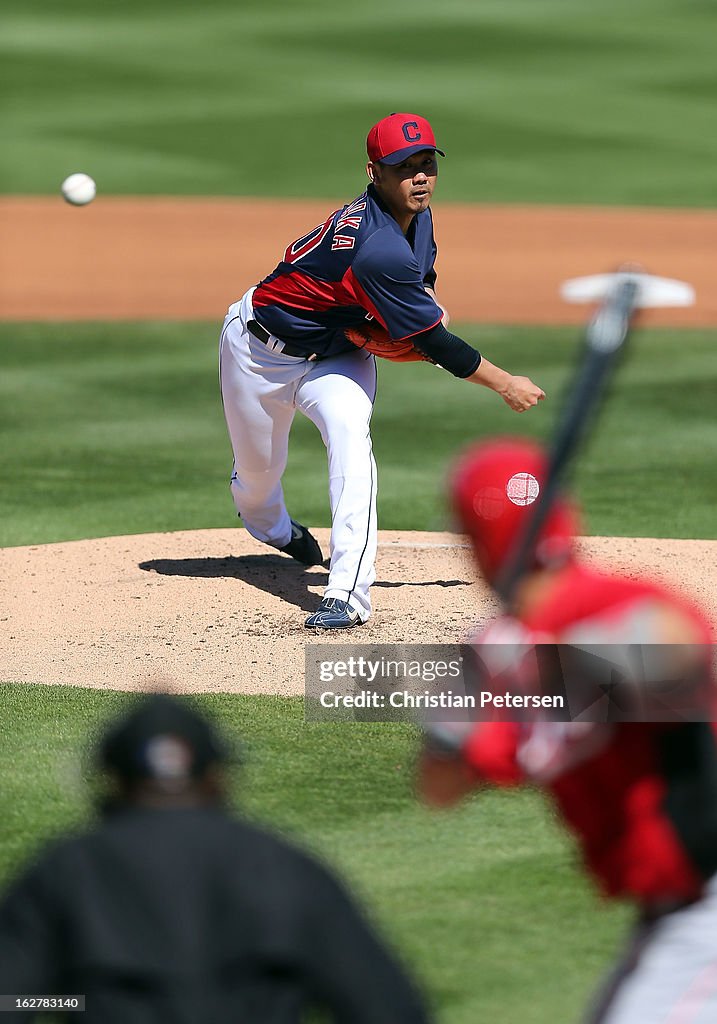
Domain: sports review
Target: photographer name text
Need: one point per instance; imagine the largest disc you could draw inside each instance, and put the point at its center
(445, 699)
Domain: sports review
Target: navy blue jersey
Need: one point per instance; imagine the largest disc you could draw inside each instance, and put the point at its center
(356, 266)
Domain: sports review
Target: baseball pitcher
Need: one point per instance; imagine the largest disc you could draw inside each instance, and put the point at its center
(358, 286)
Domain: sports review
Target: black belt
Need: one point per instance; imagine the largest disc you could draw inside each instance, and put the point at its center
(261, 334)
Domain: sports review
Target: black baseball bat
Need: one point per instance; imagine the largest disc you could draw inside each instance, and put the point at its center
(605, 339)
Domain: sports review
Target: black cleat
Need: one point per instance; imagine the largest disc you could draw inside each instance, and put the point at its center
(334, 613)
(302, 546)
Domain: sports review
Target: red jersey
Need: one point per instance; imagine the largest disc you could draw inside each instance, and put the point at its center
(641, 798)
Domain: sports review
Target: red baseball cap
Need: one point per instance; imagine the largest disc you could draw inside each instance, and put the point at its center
(398, 136)
(493, 488)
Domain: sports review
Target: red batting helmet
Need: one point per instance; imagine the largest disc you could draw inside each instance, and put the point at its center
(493, 488)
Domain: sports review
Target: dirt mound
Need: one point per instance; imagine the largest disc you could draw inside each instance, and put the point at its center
(216, 611)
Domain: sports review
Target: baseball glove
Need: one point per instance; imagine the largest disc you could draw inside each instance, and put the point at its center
(376, 339)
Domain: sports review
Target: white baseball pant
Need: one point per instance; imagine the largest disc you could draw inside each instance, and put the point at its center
(668, 974)
(261, 390)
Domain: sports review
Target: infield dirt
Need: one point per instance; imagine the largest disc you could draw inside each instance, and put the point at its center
(214, 610)
(188, 259)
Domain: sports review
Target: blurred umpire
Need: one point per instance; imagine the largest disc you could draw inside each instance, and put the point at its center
(170, 910)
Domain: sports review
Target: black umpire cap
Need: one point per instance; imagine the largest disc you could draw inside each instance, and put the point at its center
(161, 738)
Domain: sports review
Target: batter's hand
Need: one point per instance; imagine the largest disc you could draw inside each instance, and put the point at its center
(520, 393)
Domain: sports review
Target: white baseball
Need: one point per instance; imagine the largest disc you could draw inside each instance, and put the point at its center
(79, 189)
(522, 489)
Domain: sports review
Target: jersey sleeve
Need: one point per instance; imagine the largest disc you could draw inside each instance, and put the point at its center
(387, 281)
(350, 968)
(28, 937)
(491, 752)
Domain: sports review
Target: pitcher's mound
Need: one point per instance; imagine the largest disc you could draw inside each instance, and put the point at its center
(216, 611)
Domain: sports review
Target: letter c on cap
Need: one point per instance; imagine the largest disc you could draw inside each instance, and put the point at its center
(407, 134)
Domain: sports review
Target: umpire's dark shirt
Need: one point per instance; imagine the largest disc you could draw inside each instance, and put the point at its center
(192, 916)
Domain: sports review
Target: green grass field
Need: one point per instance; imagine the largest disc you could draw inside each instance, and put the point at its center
(476, 900)
(117, 428)
(590, 101)
(113, 429)
(101, 438)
